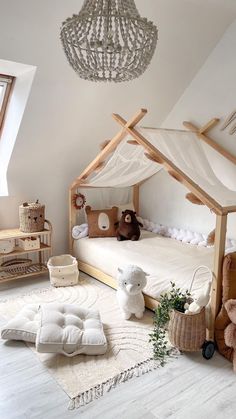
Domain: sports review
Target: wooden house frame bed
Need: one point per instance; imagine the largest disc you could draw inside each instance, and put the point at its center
(196, 192)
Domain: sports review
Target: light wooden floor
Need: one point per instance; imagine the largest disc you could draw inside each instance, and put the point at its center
(187, 388)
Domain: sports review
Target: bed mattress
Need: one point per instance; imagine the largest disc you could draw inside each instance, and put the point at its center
(165, 259)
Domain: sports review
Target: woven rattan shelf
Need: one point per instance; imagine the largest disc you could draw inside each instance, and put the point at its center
(19, 251)
(17, 234)
(35, 260)
(29, 270)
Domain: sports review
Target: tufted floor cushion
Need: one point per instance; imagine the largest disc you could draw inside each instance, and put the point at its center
(24, 325)
(70, 330)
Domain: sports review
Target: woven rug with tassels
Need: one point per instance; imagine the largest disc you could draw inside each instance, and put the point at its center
(85, 378)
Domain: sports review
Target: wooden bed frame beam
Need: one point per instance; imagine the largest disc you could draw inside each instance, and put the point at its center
(209, 125)
(72, 215)
(134, 120)
(200, 132)
(219, 252)
(227, 210)
(193, 187)
(110, 147)
(136, 198)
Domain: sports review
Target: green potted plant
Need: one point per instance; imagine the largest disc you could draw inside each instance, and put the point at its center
(174, 299)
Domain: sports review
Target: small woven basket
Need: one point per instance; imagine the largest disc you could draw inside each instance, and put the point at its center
(32, 217)
(15, 266)
(187, 332)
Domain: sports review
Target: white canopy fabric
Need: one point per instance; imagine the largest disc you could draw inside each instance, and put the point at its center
(128, 164)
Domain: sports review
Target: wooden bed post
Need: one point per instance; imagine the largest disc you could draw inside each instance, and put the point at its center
(136, 198)
(72, 218)
(216, 293)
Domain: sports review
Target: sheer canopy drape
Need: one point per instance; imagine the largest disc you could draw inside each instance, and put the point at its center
(128, 165)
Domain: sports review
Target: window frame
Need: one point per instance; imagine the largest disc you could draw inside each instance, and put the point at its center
(6, 98)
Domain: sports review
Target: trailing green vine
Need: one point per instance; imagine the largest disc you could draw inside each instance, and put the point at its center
(173, 299)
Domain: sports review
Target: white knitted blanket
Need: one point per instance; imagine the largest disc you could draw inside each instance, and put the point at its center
(185, 236)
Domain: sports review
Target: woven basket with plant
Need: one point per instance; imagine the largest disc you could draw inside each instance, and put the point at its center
(187, 332)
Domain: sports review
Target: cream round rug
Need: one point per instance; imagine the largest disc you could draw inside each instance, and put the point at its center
(83, 377)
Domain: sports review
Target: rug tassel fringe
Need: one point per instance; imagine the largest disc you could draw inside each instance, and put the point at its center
(98, 391)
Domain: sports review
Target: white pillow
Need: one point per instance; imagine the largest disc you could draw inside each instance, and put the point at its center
(24, 325)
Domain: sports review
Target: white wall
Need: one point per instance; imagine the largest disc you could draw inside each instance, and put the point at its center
(211, 94)
(66, 118)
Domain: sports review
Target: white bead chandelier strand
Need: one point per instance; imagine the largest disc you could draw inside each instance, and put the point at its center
(109, 41)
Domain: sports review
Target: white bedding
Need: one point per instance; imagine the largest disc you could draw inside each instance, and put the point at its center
(163, 258)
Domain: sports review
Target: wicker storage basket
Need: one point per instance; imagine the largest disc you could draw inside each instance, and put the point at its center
(187, 332)
(32, 217)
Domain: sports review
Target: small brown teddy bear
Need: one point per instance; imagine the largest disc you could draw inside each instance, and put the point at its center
(128, 226)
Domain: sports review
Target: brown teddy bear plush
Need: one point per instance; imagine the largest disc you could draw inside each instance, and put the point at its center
(128, 226)
(230, 331)
(228, 293)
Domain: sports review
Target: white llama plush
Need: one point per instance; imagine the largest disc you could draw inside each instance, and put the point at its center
(131, 281)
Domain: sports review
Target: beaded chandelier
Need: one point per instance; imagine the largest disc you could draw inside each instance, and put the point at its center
(108, 41)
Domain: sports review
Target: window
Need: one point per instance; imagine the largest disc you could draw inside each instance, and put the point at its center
(6, 85)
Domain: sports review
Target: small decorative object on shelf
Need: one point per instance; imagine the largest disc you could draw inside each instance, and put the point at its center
(32, 217)
(29, 243)
(18, 267)
(7, 246)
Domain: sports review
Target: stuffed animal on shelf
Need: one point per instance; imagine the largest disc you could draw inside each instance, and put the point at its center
(230, 331)
(131, 282)
(200, 300)
(128, 226)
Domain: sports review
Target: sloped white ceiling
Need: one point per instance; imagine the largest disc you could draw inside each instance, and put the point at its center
(66, 117)
(188, 31)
